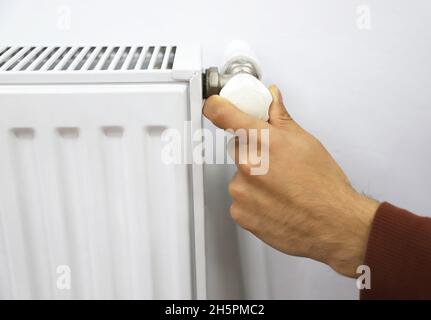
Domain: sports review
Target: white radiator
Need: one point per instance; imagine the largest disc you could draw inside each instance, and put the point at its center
(87, 207)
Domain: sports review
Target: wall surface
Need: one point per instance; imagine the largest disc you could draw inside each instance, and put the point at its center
(361, 86)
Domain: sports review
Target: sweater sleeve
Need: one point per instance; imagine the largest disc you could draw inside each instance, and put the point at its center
(399, 255)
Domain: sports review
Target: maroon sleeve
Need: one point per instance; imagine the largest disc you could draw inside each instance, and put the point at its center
(399, 255)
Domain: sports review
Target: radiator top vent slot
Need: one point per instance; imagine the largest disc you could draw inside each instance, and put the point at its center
(86, 59)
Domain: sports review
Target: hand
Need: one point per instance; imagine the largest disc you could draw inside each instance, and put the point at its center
(304, 205)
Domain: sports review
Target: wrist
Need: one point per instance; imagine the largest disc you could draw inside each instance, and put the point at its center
(349, 253)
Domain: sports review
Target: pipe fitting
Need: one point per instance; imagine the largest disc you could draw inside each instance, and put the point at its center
(239, 58)
(213, 81)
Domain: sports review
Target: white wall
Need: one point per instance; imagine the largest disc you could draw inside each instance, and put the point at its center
(365, 93)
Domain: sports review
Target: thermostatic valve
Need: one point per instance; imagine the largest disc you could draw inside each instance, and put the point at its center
(238, 58)
(212, 82)
(239, 81)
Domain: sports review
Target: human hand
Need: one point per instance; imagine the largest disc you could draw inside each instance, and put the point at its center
(304, 205)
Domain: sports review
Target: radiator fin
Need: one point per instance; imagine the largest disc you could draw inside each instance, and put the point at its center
(92, 200)
(89, 58)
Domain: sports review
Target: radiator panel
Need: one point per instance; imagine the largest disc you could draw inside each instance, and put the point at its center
(83, 187)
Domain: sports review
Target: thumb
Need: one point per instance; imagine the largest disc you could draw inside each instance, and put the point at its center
(278, 115)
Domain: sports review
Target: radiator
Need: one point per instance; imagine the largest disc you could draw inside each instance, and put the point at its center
(88, 209)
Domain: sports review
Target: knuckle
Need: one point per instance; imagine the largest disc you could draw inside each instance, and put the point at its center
(236, 214)
(236, 190)
(232, 188)
(285, 116)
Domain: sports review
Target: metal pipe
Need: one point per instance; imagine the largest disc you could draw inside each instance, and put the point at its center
(213, 81)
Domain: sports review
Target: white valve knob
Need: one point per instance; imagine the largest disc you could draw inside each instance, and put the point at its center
(244, 89)
(249, 95)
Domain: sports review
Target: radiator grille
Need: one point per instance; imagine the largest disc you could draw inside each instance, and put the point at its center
(89, 58)
(84, 190)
